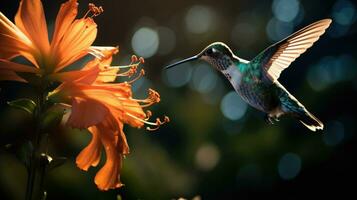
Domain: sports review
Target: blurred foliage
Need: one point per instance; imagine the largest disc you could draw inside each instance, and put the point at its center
(202, 152)
(26, 105)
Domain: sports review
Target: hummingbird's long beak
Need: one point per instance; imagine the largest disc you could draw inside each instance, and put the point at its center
(183, 61)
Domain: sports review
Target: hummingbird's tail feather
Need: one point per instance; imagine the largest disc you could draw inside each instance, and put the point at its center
(290, 105)
(310, 121)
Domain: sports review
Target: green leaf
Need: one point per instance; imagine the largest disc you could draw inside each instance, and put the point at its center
(52, 117)
(24, 104)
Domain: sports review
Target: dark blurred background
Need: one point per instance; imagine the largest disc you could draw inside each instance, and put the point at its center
(215, 147)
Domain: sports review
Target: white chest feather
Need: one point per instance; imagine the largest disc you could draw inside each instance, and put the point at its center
(233, 75)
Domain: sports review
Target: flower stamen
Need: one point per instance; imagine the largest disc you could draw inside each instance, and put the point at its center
(134, 62)
(141, 74)
(148, 115)
(155, 125)
(159, 123)
(153, 97)
(95, 10)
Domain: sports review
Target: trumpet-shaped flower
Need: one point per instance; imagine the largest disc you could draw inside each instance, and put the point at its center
(104, 107)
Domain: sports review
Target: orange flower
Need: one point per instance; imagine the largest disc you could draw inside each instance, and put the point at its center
(104, 108)
(97, 103)
(28, 37)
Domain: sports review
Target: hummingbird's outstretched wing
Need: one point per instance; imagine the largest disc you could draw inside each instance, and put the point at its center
(280, 55)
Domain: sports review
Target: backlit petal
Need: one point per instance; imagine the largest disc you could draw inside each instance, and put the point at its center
(104, 53)
(30, 19)
(122, 145)
(79, 37)
(6, 75)
(10, 46)
(105, 56)
(77, 75)
(14, 42)
(65, 17)
(90, 155)
(86, 113)
(108, 177)
(8, 65)
(133, 108)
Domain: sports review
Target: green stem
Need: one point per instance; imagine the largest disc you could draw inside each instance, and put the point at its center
(37, 167)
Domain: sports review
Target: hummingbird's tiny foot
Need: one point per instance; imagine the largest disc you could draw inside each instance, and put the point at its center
(269, 119)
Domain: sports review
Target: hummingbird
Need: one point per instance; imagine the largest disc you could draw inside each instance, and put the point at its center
(256, 81)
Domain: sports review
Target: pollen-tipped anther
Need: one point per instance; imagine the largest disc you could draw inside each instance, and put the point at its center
(95, 10)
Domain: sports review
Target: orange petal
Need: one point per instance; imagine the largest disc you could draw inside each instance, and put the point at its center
(8, 65)
(30, 19)
(90, 155)
(83, 76)
(110, 123)
(9, 28)
(133, 108)
(10, 46)
(101, 93)
(116, 126)
(90, 78)
(113, 89)
(14, 42)
(104, 53)
(6, 75)
(109, 95)
(65, 17)
(90, 64)
(86, 113)
(76, 42)
(108, 177)
(107, 76)
(122, 145)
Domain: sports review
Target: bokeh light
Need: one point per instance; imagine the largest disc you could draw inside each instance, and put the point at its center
(145, 42)
(207, 157)
(204, 79)
(344, 12)
(278, 30)
(199, 19)
(289, 166)
(344, 15)
(232, 106)
(286, 10)
(177, 76)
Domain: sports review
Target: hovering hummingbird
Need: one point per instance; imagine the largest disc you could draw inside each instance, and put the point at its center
(256, 81)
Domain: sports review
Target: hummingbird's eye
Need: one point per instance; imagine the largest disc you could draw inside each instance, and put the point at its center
(211, 51)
